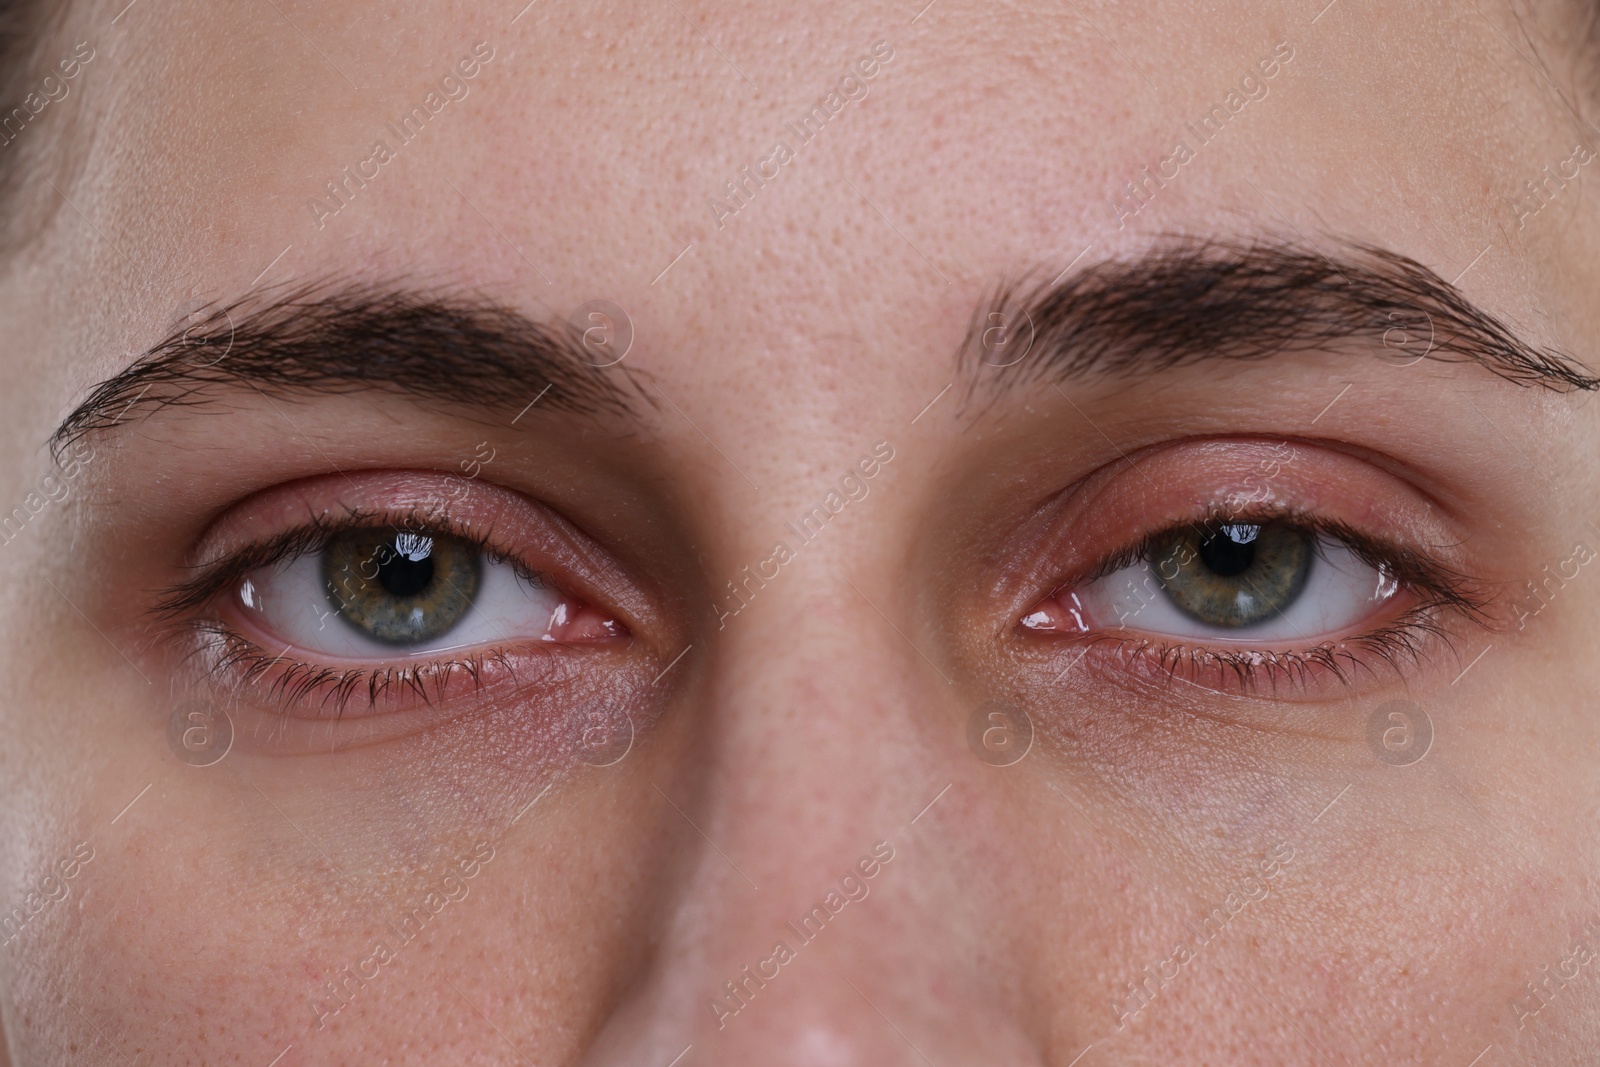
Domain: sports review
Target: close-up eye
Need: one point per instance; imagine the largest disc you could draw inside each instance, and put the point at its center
(1268, 581)
(379, 592)
(347, 611)
(1282, 585)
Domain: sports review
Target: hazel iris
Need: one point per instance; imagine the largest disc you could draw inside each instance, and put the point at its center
(1237, 574)
(400, 587)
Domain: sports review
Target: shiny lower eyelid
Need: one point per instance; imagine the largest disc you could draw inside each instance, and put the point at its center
(1413, 638)
(298, 681)
(279, 693)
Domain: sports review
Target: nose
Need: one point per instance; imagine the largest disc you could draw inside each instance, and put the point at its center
(822, 917)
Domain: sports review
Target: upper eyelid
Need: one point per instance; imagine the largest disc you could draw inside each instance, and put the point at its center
(295, 543)
(1063, 537)
(510, 525)
(1444, 584)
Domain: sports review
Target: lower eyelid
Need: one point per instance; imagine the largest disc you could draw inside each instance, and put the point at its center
(1317, 673)
(564, 632)
(538, 701)
(1413, 631)
(511, 648)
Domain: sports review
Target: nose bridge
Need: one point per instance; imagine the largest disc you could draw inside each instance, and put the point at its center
(816, 911)
(820, 750)
(801, 935)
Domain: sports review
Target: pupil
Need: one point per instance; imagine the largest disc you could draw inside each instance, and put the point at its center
(1230, 551)
(403, 577)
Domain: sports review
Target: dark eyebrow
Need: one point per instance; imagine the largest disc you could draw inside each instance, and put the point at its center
(327, 338)
(1189, 300)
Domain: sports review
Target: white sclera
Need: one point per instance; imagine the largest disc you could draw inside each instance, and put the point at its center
(290, 600)
(1339, 592)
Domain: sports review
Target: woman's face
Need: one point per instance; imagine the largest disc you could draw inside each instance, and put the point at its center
(699, 533)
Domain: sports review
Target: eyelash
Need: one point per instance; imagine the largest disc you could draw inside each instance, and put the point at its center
(231, 653)
(300, 681)
(1442, 591)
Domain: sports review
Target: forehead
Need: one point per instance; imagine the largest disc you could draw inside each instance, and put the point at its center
(775, 172)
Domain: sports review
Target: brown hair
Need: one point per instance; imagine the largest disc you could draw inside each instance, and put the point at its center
(28, 29)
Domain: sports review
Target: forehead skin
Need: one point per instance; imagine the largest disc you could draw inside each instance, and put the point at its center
(820, 318)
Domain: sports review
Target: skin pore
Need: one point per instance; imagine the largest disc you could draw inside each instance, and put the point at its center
(1356, 303)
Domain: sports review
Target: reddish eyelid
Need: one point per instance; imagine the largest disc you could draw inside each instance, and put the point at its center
(245, 656)
(571, 622)
(282, 706)
(1061, 613)
(1168, 485)
(574, 623)
(544, 541)
(1099, 525)
(329, 498)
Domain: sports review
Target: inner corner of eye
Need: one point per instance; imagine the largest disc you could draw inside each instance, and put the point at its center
(1060, 612)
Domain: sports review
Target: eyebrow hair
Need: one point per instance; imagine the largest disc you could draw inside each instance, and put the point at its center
(1190, 300)
(328, 339)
